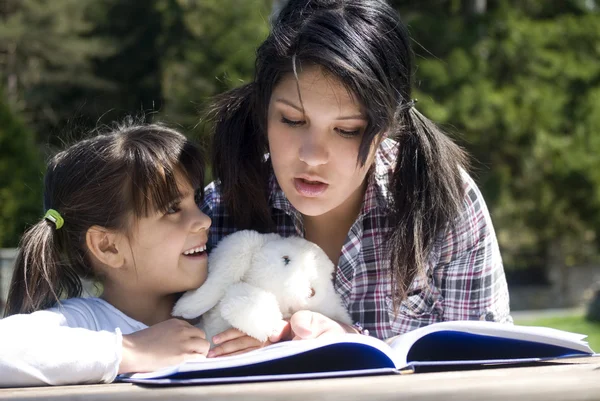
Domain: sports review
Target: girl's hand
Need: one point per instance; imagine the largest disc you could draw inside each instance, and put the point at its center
(233, 341)
(164, 344)
(305, 324)
(301, 326)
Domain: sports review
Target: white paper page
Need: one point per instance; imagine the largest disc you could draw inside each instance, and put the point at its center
(401, 344)
(271, 352)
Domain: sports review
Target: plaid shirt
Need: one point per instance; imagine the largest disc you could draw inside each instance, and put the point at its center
(464, 279)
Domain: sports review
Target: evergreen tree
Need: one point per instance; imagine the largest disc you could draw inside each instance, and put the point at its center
(138, 30)
(519, 83)
(217, 49)
(21, 173)
(46, 60)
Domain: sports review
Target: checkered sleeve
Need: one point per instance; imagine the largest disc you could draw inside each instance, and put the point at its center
(470, 273)
(221, 222)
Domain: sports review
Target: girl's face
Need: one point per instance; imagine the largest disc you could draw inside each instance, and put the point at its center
(168, 251)
(314, 143)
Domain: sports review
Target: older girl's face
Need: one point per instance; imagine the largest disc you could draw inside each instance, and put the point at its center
(314, 143)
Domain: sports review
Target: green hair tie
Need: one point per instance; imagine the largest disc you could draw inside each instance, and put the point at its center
(54, 217)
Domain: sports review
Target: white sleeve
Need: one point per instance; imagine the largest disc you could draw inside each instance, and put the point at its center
(41, 349)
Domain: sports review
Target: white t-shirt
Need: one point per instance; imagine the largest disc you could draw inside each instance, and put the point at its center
(79, 341)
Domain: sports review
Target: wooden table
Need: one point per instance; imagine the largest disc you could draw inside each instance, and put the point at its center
(575, 381)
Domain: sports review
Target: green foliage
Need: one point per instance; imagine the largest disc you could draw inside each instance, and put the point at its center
(517, 81)
(72, 64)
(520, 83)
(141, 35)
(216, 52)
(20, 178)
(46, 68)
(69, 65)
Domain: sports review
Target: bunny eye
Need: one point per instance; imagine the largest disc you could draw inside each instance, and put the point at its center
(286, 260)
(312, 292)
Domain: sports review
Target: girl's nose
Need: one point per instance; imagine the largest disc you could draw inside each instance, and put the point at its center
(201, 221)
(313, 149)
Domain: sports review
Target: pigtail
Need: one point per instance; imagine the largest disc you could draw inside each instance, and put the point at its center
(427, 195)
(40, 277)
(238, 158)
(100, 181)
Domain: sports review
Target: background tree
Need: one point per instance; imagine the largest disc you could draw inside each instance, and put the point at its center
(518, 82)
(144, 35)
(20, 178)
(212, 56)
(46, 52)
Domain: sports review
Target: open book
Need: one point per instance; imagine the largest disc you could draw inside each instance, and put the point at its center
(443, 346)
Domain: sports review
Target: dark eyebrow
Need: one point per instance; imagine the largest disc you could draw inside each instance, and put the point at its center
(353, 117)
(284, 101)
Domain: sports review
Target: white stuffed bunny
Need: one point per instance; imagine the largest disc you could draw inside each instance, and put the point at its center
(255, 280)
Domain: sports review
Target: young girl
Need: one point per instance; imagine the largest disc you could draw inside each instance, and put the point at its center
(328, 145)
(121, 209)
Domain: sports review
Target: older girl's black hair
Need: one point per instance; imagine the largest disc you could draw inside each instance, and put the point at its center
(364, 45)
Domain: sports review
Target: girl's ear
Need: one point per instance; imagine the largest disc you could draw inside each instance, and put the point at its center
(106, 246)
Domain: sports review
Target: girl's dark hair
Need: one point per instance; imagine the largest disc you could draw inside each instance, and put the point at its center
(129, 171)
(365, 46)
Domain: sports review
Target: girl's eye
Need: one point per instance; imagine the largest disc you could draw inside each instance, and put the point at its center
(292, 123)
(348, 134)
(174, 208)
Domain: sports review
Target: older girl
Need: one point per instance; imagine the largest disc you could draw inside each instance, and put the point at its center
(326, 143)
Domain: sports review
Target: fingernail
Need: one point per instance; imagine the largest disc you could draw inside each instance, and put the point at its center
(216, 339)
(211, 354)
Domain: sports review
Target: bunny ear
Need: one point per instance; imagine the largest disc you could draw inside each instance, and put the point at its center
(227, 264)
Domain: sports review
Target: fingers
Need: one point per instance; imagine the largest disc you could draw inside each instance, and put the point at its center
(233, 341)
(282, 332)
(164, 344)
(238, 345)
(196, 332)
(193, 338)
(306, 324)
(302, 324)
(197, 346)
(227, 335)
(187, 328)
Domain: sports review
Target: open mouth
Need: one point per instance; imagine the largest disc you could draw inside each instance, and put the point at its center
(309, 188)
(197, 251)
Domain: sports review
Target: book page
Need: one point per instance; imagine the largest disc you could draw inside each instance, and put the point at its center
(402, 344)
(278, 351)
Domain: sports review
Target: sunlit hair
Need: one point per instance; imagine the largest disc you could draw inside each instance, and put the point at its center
(364, 45)
(127, 171)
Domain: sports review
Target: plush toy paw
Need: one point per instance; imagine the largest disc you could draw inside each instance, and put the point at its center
(251, 310)
(187, 306)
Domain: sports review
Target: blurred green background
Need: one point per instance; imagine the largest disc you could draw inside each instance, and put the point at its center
(516, 82)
